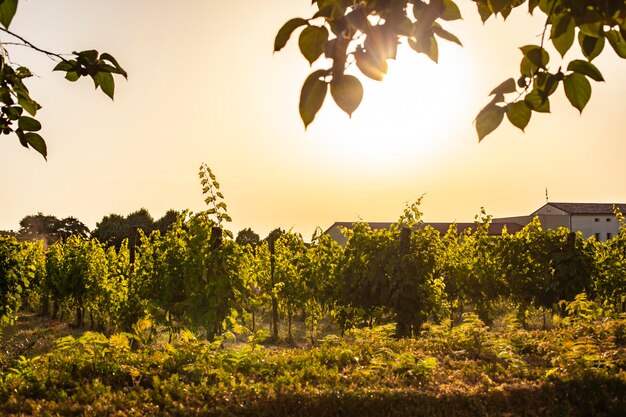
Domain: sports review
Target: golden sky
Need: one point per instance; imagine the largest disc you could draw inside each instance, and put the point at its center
(204, 86)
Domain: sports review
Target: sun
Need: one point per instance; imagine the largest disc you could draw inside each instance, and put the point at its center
(410, 117)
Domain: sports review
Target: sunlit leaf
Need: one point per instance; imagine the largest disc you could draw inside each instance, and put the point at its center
(451, 11)
(563, 33)
(371, 65)
(506, 87)
(489, 119)
(347, 92)
(444, 34)
(537, 103)
(283, 35)
(591, 47)
(617, 42)
(37, 143)
(312, 96)
(106, 83)
(111, 59)
(7, 11)
(518, 114)
(586, 68)
(312, 41)
(577, 90)
(29, 124)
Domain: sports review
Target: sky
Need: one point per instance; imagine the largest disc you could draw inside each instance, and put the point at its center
(204, 86)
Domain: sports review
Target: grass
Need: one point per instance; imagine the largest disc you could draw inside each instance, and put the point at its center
(576, 368)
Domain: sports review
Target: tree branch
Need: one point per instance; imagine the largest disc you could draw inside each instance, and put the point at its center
(30, 45)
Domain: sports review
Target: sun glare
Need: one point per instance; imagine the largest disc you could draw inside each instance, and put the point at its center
(409, 118)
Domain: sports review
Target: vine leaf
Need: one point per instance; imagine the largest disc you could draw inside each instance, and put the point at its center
(577, 90)
(347, 92)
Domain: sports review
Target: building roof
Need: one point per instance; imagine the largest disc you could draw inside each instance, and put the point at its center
(589, 208)
(495, 229)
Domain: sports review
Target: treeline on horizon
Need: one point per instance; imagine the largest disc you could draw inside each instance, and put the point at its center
(194, 275)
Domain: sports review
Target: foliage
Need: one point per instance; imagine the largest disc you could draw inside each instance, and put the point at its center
(20, 264)
(367, 34)
(15, 96)
(50, 228)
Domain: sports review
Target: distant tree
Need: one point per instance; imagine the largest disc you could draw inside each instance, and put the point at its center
(165, 223)
(274, 235)
(114, 228)
(110, 230)
(138, 220)
(247, 237)
(71, 226)
(39, 227)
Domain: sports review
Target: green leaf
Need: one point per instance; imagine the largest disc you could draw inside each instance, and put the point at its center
(347, 92)
(506, 87)
(7, 11)
(65, 66)
(109, 57)
(89, 55)
(537, 103)
(106, 83)
(591, 47)
(489, 119)
(484, 11)
(28, 104)
(586, 68)
(617, 42)
(283, 35)
(563, 33)
(22, 137)
(371, 65)
(312, 41)
(577, 90)
(312, 96)
(37, 143)
(29, 124)
(426, 44)
(496, 6)
(444, 34)
(72, 76)
(451, 11)
(536, 54)
(518, 114)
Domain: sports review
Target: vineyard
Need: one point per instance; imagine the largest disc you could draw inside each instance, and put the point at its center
(398, 322)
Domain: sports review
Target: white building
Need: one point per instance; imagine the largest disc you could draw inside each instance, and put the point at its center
(591, 219)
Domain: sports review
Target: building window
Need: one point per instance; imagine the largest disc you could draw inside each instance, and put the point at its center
(596, 219)
(608, 219)
(608, 236)
(598, 237)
